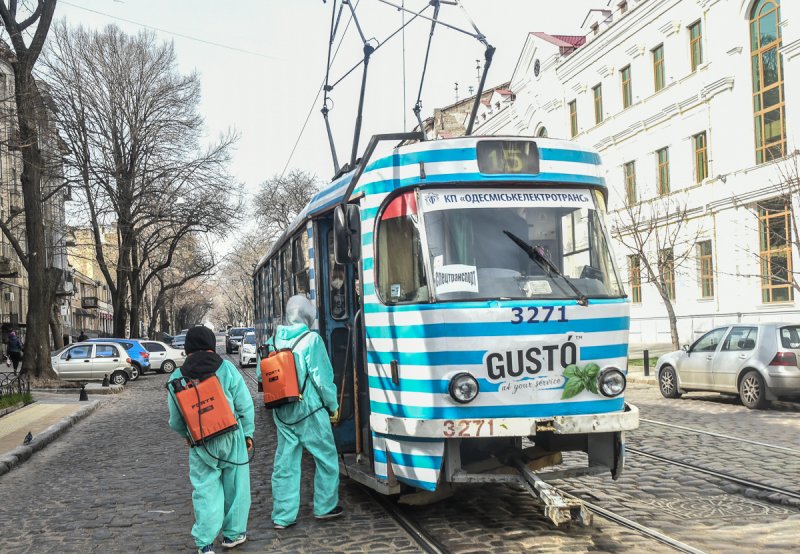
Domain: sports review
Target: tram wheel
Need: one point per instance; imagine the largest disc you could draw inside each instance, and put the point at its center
(753, 391)
(668, 382)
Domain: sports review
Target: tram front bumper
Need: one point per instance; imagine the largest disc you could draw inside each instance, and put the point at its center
(625, 420)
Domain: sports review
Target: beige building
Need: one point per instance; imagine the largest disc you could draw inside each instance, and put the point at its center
(90, 307)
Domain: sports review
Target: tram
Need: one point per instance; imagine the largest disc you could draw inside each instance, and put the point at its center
(469, 300)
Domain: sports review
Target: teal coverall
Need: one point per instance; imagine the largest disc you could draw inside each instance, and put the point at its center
(221, 495)
(312, 432)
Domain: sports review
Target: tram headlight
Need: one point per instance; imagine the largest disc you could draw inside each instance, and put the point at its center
(463, 388)
(611, 382)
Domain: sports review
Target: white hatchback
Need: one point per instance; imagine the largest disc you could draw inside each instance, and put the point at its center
(247, 352)
(163, 357)
(87, 361)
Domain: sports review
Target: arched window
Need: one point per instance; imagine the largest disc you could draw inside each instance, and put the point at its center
(542, 132)
(767, 66)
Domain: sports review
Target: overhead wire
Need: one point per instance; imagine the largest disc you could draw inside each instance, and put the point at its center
(174, 33)
(314, 103)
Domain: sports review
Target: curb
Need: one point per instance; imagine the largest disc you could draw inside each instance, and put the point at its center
(11, 409)
(111, 389)
(642, 380)
(22, 453)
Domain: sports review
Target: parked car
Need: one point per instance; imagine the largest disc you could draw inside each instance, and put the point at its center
(756, 361)
(92, 361)
(163, 357)
(140, 357)
(234, 339)
(247, 351)
(179, 341)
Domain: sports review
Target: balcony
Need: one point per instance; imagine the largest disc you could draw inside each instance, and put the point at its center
(88, 302)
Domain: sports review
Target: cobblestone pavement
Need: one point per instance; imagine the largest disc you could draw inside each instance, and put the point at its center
(118, 482)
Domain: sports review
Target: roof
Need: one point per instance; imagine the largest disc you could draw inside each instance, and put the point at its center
(566, 43)
(602, 11)
(504, 91)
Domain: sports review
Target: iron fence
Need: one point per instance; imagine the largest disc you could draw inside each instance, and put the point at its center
(14, 383)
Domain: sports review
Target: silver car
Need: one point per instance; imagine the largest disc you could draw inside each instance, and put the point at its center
(163, 357)
(756, 361)
(91, 361)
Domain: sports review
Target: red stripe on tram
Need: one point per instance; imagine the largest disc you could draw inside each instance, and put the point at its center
(403, 205)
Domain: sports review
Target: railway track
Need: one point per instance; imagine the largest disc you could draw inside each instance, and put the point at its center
(720, 435)
(714, 473)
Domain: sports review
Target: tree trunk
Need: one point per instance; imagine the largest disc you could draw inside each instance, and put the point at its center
(56, 328)
(36, 358)
(673, 323)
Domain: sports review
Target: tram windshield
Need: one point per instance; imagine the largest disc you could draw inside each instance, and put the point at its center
(496, 243)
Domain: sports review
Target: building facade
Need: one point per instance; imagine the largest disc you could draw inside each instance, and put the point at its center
(91, 309)
(689, 103)
(55, 193)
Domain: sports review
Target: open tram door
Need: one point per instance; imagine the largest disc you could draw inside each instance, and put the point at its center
(338, 304)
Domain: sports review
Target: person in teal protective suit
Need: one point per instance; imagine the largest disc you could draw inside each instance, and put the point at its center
(306, 423)
(221, 494)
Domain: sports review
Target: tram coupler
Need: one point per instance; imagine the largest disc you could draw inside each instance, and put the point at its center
(558, 508)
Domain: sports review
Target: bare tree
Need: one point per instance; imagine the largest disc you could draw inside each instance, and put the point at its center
(281, 198)
(27, 27)
(133, 135)
(194, 261)
(234, 299)
(658, 236)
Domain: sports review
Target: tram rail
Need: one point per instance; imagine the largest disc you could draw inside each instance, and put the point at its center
(720, 435)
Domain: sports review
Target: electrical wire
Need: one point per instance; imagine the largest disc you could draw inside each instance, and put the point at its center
(174, 33)
(314, 103)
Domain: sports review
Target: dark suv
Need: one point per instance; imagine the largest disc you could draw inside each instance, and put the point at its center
(234, 338)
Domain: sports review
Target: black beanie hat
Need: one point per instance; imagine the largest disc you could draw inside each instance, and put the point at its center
(200, 338)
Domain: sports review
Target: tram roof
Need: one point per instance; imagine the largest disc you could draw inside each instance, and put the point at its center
(447, 161)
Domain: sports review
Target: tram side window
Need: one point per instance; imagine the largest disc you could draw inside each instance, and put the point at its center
(300, 263)
(400, 263)
(336, 284)
(277, 310)
(286, 275)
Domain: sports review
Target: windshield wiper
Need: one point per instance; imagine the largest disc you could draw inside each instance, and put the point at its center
(536, 253)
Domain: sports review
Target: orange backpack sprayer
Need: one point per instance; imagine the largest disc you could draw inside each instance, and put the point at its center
(204, 407)
(279, 376)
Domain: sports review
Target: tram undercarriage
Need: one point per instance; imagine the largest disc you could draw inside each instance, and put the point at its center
(529, 462)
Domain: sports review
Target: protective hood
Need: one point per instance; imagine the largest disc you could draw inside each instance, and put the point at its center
(300, 310)
(201, 364)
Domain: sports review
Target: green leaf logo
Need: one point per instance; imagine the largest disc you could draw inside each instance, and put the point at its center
(580, 379)
(573, 387)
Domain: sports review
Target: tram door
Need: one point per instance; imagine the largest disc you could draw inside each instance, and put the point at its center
(336, 310)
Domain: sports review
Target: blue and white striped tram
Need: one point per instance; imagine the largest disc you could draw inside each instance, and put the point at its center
(483, 324)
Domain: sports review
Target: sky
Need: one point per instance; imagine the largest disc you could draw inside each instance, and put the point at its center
(269, 56)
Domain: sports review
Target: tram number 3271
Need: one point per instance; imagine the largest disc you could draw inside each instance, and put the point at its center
(468, 428)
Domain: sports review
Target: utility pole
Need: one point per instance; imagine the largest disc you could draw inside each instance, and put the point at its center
(456, 91)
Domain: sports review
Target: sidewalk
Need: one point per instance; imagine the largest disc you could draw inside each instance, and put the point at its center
(636, 375)
(49, 417)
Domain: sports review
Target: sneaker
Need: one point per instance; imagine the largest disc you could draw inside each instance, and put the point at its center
(336, 512)
(277, 525)
(236, 541)
(207, 549)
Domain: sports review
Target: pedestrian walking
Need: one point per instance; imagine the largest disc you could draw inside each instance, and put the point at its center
(83, 336)
(305, 424)
(14, 350)
(218, 469)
